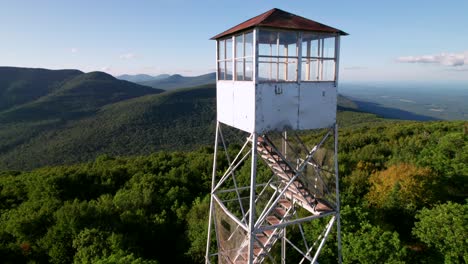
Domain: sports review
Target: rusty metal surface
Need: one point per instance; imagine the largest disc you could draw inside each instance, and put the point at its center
(277, 18)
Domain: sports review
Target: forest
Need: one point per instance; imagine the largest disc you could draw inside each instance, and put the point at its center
(403, 196)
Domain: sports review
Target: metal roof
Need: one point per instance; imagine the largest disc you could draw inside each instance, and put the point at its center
(277, 18)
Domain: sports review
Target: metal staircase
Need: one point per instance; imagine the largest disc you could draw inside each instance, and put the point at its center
(294, 194)
(264, 241)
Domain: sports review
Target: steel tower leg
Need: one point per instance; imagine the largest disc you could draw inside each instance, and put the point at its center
(252, 210)
(210, 217)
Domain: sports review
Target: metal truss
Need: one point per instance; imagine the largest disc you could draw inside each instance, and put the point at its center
(251, 216)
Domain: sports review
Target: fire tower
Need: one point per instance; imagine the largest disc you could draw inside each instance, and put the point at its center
(277, 76)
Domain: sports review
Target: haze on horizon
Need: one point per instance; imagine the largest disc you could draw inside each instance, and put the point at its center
(397, 40)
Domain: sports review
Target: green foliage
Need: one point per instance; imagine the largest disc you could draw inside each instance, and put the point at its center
(22, 85)
(113, 210)
(197, 220)
(371, 245)
(129, 127)
(445, 229)
(152, 208)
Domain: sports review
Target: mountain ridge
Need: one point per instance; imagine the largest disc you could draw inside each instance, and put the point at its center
(177, 81)
(136, 78)
(92, 114)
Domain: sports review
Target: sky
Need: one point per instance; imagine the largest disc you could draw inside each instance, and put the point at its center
(398, 40)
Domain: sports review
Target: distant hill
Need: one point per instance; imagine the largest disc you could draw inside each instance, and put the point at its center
(22, 85)
(182, 119)
(141, 77)
(179, 81)
(74, 97)
(92, 114)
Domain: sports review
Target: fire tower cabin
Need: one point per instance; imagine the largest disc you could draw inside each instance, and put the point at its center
(277, 71)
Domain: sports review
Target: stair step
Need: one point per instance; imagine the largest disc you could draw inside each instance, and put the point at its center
(263, 239)
(287, 175)
(268, 159)
(280, 211)
(268, 233)
(304, 202)
(323, 206)
(300, 191)
(257, 249)
(272, 220)
(285, 203)
(280, 167)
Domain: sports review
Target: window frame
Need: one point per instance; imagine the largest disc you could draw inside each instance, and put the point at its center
(234, 59)
(308, 59)
(277, 59)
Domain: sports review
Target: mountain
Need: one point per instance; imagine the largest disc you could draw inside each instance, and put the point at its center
(23, 85)
(179, 81)
(74, 97)
(92, 114)
(182, 119)
(141, 77)
(55, 102)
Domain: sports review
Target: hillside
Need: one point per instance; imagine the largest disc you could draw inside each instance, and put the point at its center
(76, 97)
(62, 102)
(182, 119)
(179, 119)
(178, 81)
(22, 85)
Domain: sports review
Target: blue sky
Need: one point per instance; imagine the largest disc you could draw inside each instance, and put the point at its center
(389, 40)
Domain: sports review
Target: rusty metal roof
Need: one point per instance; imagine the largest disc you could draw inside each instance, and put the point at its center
(277, 18)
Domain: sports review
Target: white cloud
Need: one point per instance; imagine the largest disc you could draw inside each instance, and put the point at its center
(127, 56)
(447, 59)
(74, 50)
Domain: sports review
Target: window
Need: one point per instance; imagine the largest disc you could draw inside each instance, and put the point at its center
(277, 56)
(244, 57)
(241, 66)
(318, 57)
(225, 59)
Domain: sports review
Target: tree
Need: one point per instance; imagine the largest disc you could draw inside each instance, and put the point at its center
(402, 186)
(445, 228)
(372, 245)
(197, 225)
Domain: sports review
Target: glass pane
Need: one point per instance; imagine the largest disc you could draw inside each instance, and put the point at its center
(292, 69)
(267, 43)
(221, 70)
(328, 70)
(248, 70)
(309, 70)
(248, 44)
(288, 43)
(221, 50)
(309, 45)
(240, 70)
(267, 71)
(329, 48)
(228, 48)
(228, 70)
(239, 46)
(287, 69)
(282, 71)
